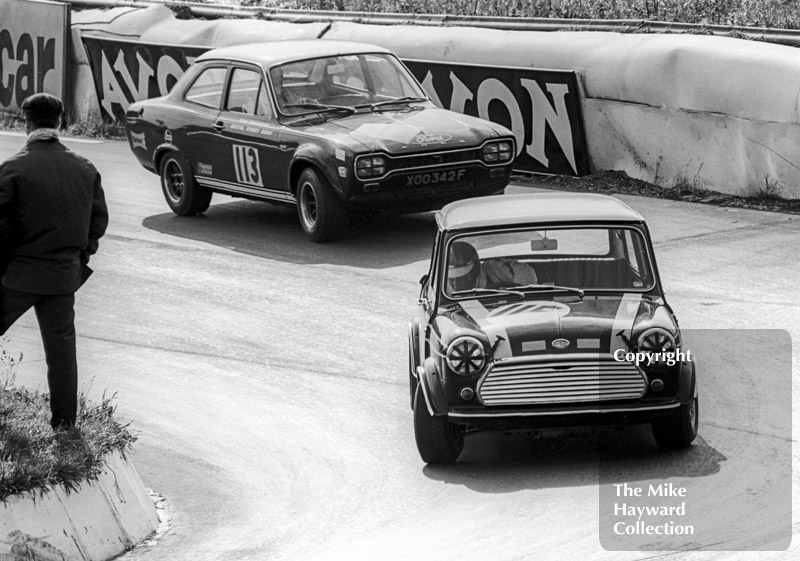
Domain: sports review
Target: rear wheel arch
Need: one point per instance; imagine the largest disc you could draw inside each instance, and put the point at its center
(181, 191)
(161, 152)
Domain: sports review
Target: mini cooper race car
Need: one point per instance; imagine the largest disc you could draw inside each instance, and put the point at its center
(329, 126)
(545, 311)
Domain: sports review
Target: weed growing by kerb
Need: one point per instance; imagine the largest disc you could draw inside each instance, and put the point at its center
(32, 456)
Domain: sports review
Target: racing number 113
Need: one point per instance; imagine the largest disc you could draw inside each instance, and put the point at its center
(248, 170)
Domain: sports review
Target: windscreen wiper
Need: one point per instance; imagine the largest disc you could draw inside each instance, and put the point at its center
(577, 291)
(321, 107)
(404, 99)
(476, 291)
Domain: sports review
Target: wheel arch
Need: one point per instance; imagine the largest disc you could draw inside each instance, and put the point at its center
(688, 387)
(432, 388)
(161, 151)
(413, 341)
(413, 358)
(312, 156)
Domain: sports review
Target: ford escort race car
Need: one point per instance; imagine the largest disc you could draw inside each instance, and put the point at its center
(329, 126)
(544, 311)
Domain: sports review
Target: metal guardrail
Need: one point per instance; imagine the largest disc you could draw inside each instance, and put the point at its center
(786, 37)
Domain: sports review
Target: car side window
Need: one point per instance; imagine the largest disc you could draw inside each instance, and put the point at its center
(207, 89)
(243, 91)
(630, 253)
(263, 104)
(637, 258)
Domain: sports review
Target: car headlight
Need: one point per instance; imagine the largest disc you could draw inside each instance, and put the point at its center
(465, 356)
(370, 166)
(657, 343)
(496, 152)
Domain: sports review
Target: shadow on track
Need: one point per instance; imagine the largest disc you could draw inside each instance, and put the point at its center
(272, 231)
(506, 463)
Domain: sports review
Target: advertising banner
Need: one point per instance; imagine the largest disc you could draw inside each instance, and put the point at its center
(33, 48)
(126, 71)
(541, 107)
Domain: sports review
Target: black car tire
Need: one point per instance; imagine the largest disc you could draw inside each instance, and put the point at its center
(438, 441)
(184, 196)
(321, 214)
(679, 429)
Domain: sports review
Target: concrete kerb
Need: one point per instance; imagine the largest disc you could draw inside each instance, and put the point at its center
(100, 520)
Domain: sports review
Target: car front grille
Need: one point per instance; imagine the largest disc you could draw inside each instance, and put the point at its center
(434, 159)
(567, 379)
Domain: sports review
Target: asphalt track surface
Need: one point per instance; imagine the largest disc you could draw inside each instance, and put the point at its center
(265, 377)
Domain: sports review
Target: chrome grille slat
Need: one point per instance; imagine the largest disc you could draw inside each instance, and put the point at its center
(577, 376)
(549, 381)
(573, 389)
(563, 383)
(595, 388)
(536, 395)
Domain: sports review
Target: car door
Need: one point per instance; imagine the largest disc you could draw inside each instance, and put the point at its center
(197, 138)
(249, 159)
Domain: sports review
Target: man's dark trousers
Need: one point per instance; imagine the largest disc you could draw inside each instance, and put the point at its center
(56, 316)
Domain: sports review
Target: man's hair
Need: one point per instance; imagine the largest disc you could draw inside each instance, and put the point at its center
(43, 110)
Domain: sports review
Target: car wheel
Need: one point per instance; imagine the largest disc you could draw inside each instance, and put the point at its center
(184, 196)
(321, 214)
(679, 429)
(438, 440)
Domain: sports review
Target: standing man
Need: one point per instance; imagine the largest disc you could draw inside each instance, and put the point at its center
(52, 216)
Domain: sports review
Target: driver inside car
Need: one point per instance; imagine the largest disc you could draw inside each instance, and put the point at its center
(465, 270)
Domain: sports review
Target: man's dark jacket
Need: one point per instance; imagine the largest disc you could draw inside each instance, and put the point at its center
(52, 215)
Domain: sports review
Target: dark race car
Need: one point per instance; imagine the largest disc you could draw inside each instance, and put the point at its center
(540, 312)
(329, 126)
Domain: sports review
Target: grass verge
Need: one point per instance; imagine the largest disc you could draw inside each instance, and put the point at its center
(33, 457)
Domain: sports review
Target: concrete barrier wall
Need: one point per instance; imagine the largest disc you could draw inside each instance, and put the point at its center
(711, 112)
(99, 521)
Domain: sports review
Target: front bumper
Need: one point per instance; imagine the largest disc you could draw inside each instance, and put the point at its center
(509, 419)
(427, 189)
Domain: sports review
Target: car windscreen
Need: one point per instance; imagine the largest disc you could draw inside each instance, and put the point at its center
(346, 80)
(591, 258)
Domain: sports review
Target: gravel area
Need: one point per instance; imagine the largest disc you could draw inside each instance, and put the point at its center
(618, 182)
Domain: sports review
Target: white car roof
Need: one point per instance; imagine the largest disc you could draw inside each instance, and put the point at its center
(534, 208)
